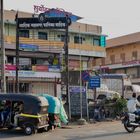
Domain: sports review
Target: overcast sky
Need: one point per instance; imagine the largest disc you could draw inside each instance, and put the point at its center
(117, 17)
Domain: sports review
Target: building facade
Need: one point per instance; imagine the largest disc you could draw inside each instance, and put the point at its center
(41, 54)
(123, 56)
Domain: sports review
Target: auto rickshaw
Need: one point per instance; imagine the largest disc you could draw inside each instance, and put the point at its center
(26, 111)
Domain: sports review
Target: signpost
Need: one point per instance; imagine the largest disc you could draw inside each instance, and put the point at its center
(50, 19)
(94, 82)
(3, 78)
(42, 22)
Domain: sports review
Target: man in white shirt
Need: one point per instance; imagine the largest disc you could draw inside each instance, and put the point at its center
(132, 105)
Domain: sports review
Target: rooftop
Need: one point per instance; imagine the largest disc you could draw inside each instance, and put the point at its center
(123, 40)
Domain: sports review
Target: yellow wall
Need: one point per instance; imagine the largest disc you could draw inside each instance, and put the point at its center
(45, 43)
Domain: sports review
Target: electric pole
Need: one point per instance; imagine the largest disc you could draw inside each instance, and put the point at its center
(17, 54)
(3, 78)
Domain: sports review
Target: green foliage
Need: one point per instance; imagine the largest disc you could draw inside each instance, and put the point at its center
(120, 105)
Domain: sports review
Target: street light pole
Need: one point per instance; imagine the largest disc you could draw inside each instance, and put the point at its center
(3, 78)
(17, 54)
(67, 69)
(81, 108)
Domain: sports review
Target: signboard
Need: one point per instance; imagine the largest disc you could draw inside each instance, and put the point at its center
(94, 82)
(33, 74)
(85, 76)
(28, 47)
(55, 12)
(43, 22)
(10, 67)
(75, 105)
(40, 68)
(54, 68)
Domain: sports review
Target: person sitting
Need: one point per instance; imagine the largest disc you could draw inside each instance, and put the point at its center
(17, 114)
(132, 105)
(6, 111)
(2, 103)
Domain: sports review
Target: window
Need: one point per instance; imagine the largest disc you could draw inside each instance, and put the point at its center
(96, 41)
(62, 38)
(122, 57)
(134, 55)
(10, 59)
(42, 35)
(33, 61)
(78, 40)
(112, 59)
(103, 61)
(24, 63)
(23, 87)
(24, 33)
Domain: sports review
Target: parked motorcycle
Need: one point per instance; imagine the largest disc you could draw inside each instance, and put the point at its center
(131, 121)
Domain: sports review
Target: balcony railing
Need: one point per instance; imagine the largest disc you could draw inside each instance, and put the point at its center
(44, 44)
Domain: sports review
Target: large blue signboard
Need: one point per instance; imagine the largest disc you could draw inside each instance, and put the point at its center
(94, 82)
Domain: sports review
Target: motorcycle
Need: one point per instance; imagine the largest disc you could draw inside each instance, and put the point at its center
(131, 121)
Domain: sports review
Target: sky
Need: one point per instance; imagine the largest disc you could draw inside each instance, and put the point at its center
(117, 17)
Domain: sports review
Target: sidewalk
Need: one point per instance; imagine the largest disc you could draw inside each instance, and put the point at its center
(75, 124)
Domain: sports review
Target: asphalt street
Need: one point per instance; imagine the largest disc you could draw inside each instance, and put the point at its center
(98, 131)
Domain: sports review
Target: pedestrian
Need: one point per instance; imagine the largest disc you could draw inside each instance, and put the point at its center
(97, 115)
(102, 113)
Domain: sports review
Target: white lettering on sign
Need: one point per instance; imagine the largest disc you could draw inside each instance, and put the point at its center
(24, 25)
(41, 25)
(60, 24)
(34, 25)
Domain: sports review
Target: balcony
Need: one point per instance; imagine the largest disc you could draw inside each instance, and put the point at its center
(57, 46)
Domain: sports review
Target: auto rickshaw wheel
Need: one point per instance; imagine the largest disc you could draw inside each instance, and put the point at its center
(29, 129)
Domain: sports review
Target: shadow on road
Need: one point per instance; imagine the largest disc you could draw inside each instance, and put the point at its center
(4, 133)
(98, 136)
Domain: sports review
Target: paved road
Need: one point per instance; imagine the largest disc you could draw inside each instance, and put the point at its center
(98, 131)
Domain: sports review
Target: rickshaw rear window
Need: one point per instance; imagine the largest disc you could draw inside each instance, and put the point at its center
(44, 102)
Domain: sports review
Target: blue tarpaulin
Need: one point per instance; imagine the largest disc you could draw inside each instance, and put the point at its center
(56, 107)
(54, 103)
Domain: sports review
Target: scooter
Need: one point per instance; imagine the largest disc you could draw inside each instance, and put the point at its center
(131, 121)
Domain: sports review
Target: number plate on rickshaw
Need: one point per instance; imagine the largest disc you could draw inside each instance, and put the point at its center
(131, 117)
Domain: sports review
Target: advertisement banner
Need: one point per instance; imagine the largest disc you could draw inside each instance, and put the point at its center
(54, 68)
(28, 47)
(10, 67)
(40, 68)
(75, 65)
